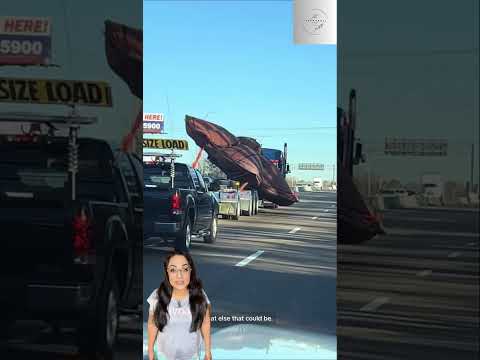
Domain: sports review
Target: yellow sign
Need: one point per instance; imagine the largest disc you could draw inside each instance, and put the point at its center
(48, 91)
(165, 144)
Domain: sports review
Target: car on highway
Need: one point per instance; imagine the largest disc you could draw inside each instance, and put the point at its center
(71, 214)
(266, 342)
(178, 204)
(306, 188)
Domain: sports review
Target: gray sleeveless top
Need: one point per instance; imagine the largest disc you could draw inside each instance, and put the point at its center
(176, 342)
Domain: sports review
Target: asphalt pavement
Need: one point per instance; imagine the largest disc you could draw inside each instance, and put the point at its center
(414, 292)
(280, 264)
(37, 340)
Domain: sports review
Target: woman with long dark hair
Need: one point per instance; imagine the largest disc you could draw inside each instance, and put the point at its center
(179, 312)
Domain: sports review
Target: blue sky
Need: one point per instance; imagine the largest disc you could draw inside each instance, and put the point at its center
(78, 48)
(412, 82)
(235, 64)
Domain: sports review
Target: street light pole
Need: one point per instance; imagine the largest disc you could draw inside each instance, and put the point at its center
(200, 150)
(472, 155)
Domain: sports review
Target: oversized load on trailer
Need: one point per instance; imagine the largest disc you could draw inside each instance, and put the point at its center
(240, 161)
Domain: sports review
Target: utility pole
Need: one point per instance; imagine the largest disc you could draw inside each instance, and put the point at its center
(471, 166)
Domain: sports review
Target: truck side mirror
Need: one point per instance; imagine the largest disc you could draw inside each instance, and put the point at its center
(358, 154)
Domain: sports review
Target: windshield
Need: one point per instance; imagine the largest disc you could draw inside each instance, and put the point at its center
(158, 176)
(272, 154)
(42, 167)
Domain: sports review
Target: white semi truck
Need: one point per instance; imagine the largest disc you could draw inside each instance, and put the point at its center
(433, 189)
(317, 184)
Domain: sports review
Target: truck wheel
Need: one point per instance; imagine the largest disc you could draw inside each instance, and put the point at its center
(237, 215)
(184, 239)
(248, 212)
(212, 236)
(97, 335)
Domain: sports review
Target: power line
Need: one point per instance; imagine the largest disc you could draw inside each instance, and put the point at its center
(293, 128)
(433, 52)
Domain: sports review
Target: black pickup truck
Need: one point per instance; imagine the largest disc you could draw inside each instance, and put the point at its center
(177, 212)
(71, 218)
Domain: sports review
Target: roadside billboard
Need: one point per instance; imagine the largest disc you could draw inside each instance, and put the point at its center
(153, 123)
(25, 40)
(310, 166)
(415, 147)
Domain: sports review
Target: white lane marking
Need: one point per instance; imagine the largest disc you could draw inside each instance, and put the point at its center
(294, 230)
(375, 304)
(471, 244)
(406, 231)
(315, 218)
(154, 247)
(325, 210)
(424, 273)
(454, 254)
(23, 195)
(250, 258)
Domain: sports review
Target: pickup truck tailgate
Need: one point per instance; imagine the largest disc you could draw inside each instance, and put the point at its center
(157, 206)
(32, 235)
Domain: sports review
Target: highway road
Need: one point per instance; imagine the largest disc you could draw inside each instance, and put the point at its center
(280, 263)
(413, 293)
(292, 279)
(35, 340)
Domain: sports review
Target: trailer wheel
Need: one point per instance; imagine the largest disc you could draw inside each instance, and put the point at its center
(237, 215)
(249, 211)
(212, 236)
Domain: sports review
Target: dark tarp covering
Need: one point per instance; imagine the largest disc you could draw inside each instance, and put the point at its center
(356, 223)
(240, 159)
(251, 143)
(124, 50)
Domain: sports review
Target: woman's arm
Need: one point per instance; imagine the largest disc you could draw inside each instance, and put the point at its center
(206, 334)
(152, 331)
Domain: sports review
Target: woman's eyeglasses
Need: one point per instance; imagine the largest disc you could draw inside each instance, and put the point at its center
(175, 271)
